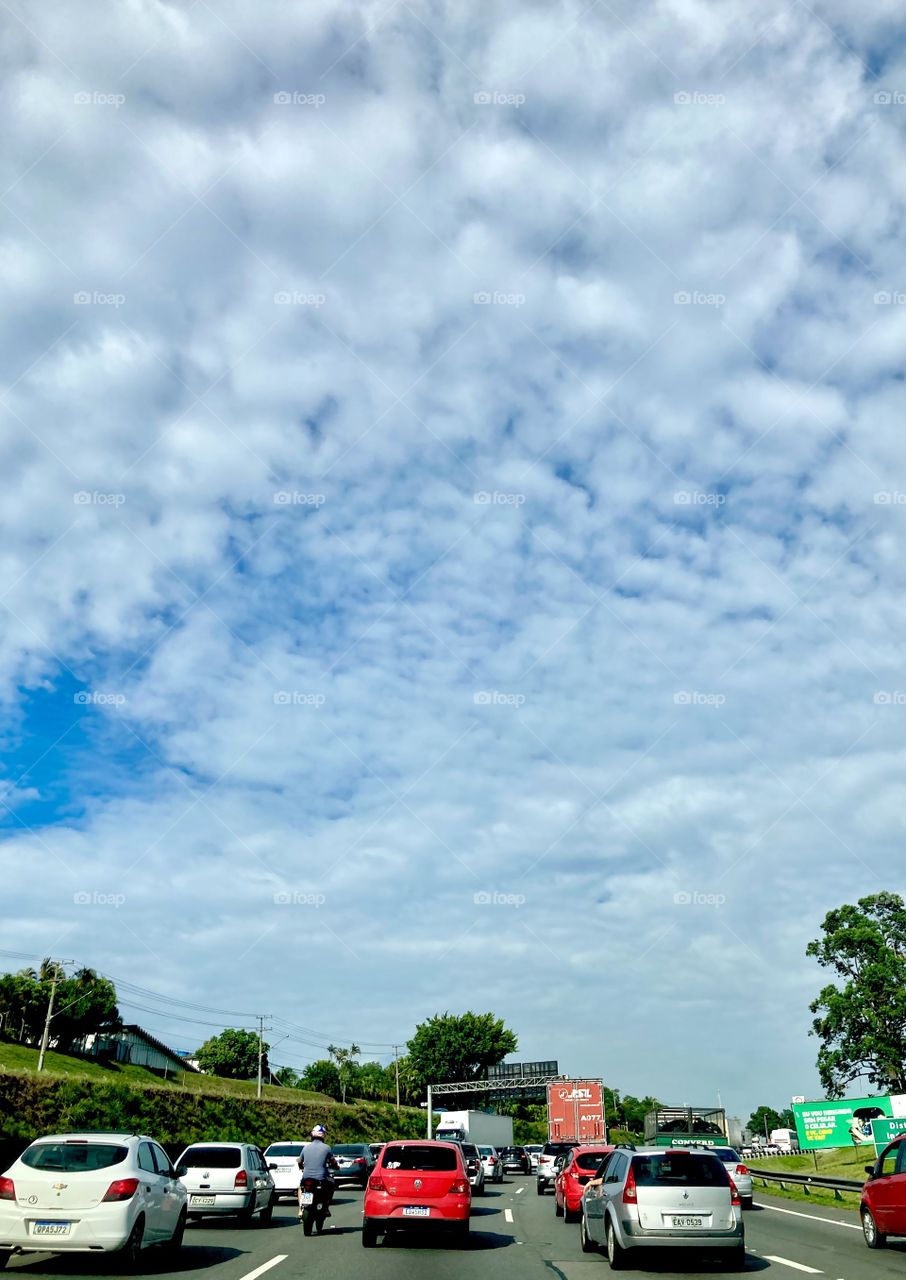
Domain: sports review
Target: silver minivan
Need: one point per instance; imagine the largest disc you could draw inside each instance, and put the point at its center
(663, 1198)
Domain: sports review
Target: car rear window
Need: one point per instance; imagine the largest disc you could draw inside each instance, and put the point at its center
(726, 1154)
(212, 1157)
(424, 1158)
(556, 1148)
(590, 1159)
(349, 1149)
(682, 1169)
(74, 1157)
(285, 1149)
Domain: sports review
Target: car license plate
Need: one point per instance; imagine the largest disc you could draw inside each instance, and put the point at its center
(51, 1228)
(687, 1222)
(308, 1197)
(204, 1200)
(416, 1211)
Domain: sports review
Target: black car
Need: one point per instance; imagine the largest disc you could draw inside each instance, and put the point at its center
(355, 1162)
(515, 1160)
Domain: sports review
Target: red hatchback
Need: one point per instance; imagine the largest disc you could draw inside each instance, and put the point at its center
(417, 1185)
(569, 1184)
(883, 1207)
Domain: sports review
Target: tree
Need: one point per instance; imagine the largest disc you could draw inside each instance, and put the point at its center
(321, 1077)
(286, 1077)
(862, 1024)
(233, 1054)
(83, 1004)
(632, 1111)
(458, 1047)
(345, 1060)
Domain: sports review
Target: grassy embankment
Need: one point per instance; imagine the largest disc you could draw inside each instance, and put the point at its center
(842, 1162)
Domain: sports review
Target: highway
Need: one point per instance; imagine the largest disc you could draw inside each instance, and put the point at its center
(511, 1223)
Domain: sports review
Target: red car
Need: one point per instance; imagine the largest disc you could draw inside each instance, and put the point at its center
(417, 1185)
(578, 1169)
(883, 1207)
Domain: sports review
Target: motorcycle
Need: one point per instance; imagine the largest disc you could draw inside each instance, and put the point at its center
(315, 1204)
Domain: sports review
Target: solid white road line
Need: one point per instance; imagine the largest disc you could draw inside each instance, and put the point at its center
(853, 1226)
(788, 1262)
(508, 1214)
(259, 1271)
(519, 1190)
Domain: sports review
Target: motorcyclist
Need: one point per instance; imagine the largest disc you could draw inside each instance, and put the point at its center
(316, 1161)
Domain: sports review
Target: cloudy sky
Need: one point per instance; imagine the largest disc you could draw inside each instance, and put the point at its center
(452, 530)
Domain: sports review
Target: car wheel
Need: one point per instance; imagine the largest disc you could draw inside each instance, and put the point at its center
(736, 1261)
(569, 1215)
(616, 1254)
(369, 1235)
(874, 1238)
(585, 1240)
(174, 1244)
(746, 1202)
(461, 1234)
(558, 1208)
(131, 1251)
(540, 1187)
(266, 1214)
(247, 1215)
(5, 1256)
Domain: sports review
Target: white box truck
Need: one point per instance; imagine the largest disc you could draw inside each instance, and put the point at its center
(475, 1126)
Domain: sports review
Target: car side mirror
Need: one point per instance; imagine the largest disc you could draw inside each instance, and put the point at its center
(272, 1166)
(870, 1169)
(181, 1170)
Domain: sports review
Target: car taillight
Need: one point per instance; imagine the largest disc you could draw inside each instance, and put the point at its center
(122, 1189)
(734, 1195)
(741, 1171)
(460, 1187)
(630, 1195)
(241, 1179)
(376, 1183)
(491, 1160)
(359, 1160)
(7, 1189)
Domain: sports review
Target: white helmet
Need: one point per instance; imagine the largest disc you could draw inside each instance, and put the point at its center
(319, 1131)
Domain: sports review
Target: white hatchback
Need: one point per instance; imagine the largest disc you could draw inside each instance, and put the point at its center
(91, 1193)
(227, 1178)
(282, 1159)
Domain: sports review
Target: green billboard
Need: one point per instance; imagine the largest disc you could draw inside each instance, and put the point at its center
(885, 1131)
(844, 1122)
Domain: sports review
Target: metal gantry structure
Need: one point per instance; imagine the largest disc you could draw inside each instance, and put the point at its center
(516, 1084)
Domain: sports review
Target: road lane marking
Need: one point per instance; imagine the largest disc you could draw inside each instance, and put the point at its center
(853, 1226)
(508, 1214)
(266, 1266)
(787, 1262)
(520, 1191)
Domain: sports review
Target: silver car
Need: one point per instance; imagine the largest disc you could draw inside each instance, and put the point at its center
(493, 1165)
(663, 1198)
(732, 1162)
(534, 1150)
(227, 1178)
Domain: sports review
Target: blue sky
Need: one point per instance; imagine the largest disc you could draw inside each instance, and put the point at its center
(453, 520)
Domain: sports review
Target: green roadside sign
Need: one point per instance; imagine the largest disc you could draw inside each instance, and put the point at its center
(845, 1122)
(885, 1131)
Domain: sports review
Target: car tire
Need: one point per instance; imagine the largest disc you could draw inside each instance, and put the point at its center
(569, 1215)
(874, 1238)
(558, 1208)
(746, 1202)
(266, 1214)
(616, 1254)
(131, 1251)
(5, 1256)
(540, 1187)
(246, 1216)
(461, 1236)
(174, 1244)
(736, 1261)
(369, 1235)
(588, 1245)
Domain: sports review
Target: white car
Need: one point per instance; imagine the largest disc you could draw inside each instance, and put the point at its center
(227, 1178)
(90, 1192)
(534, 1150)
(493, 1165)
(282, 1159)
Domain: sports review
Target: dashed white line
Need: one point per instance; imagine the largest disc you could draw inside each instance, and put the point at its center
(519, 1190)
(833, 1222)
(508, 1214)
(788, 1262)
(265, 1266)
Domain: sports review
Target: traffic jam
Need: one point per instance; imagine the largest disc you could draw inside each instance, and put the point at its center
(684, 1189)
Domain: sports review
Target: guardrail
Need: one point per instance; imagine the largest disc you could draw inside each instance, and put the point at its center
(806, 1180)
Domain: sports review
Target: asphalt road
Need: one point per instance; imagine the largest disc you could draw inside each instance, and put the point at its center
(515, 1236)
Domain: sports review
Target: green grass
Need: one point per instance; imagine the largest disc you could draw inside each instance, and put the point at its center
(842, 1162)
(16, 1057)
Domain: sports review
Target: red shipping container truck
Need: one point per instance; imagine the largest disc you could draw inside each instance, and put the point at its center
(575, 1111)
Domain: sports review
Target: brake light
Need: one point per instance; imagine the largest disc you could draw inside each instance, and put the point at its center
(734, 1195)
(241, 1179)
(376, 1183)
(122, 1189)
(7, 1189)
(630, 1195)
(359, 1160)
(741, 1171)
(460, 1187)
(491, 1160)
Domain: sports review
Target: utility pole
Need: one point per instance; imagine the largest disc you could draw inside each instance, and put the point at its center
(396, 1063)
(260, 1049)
(55, 977)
